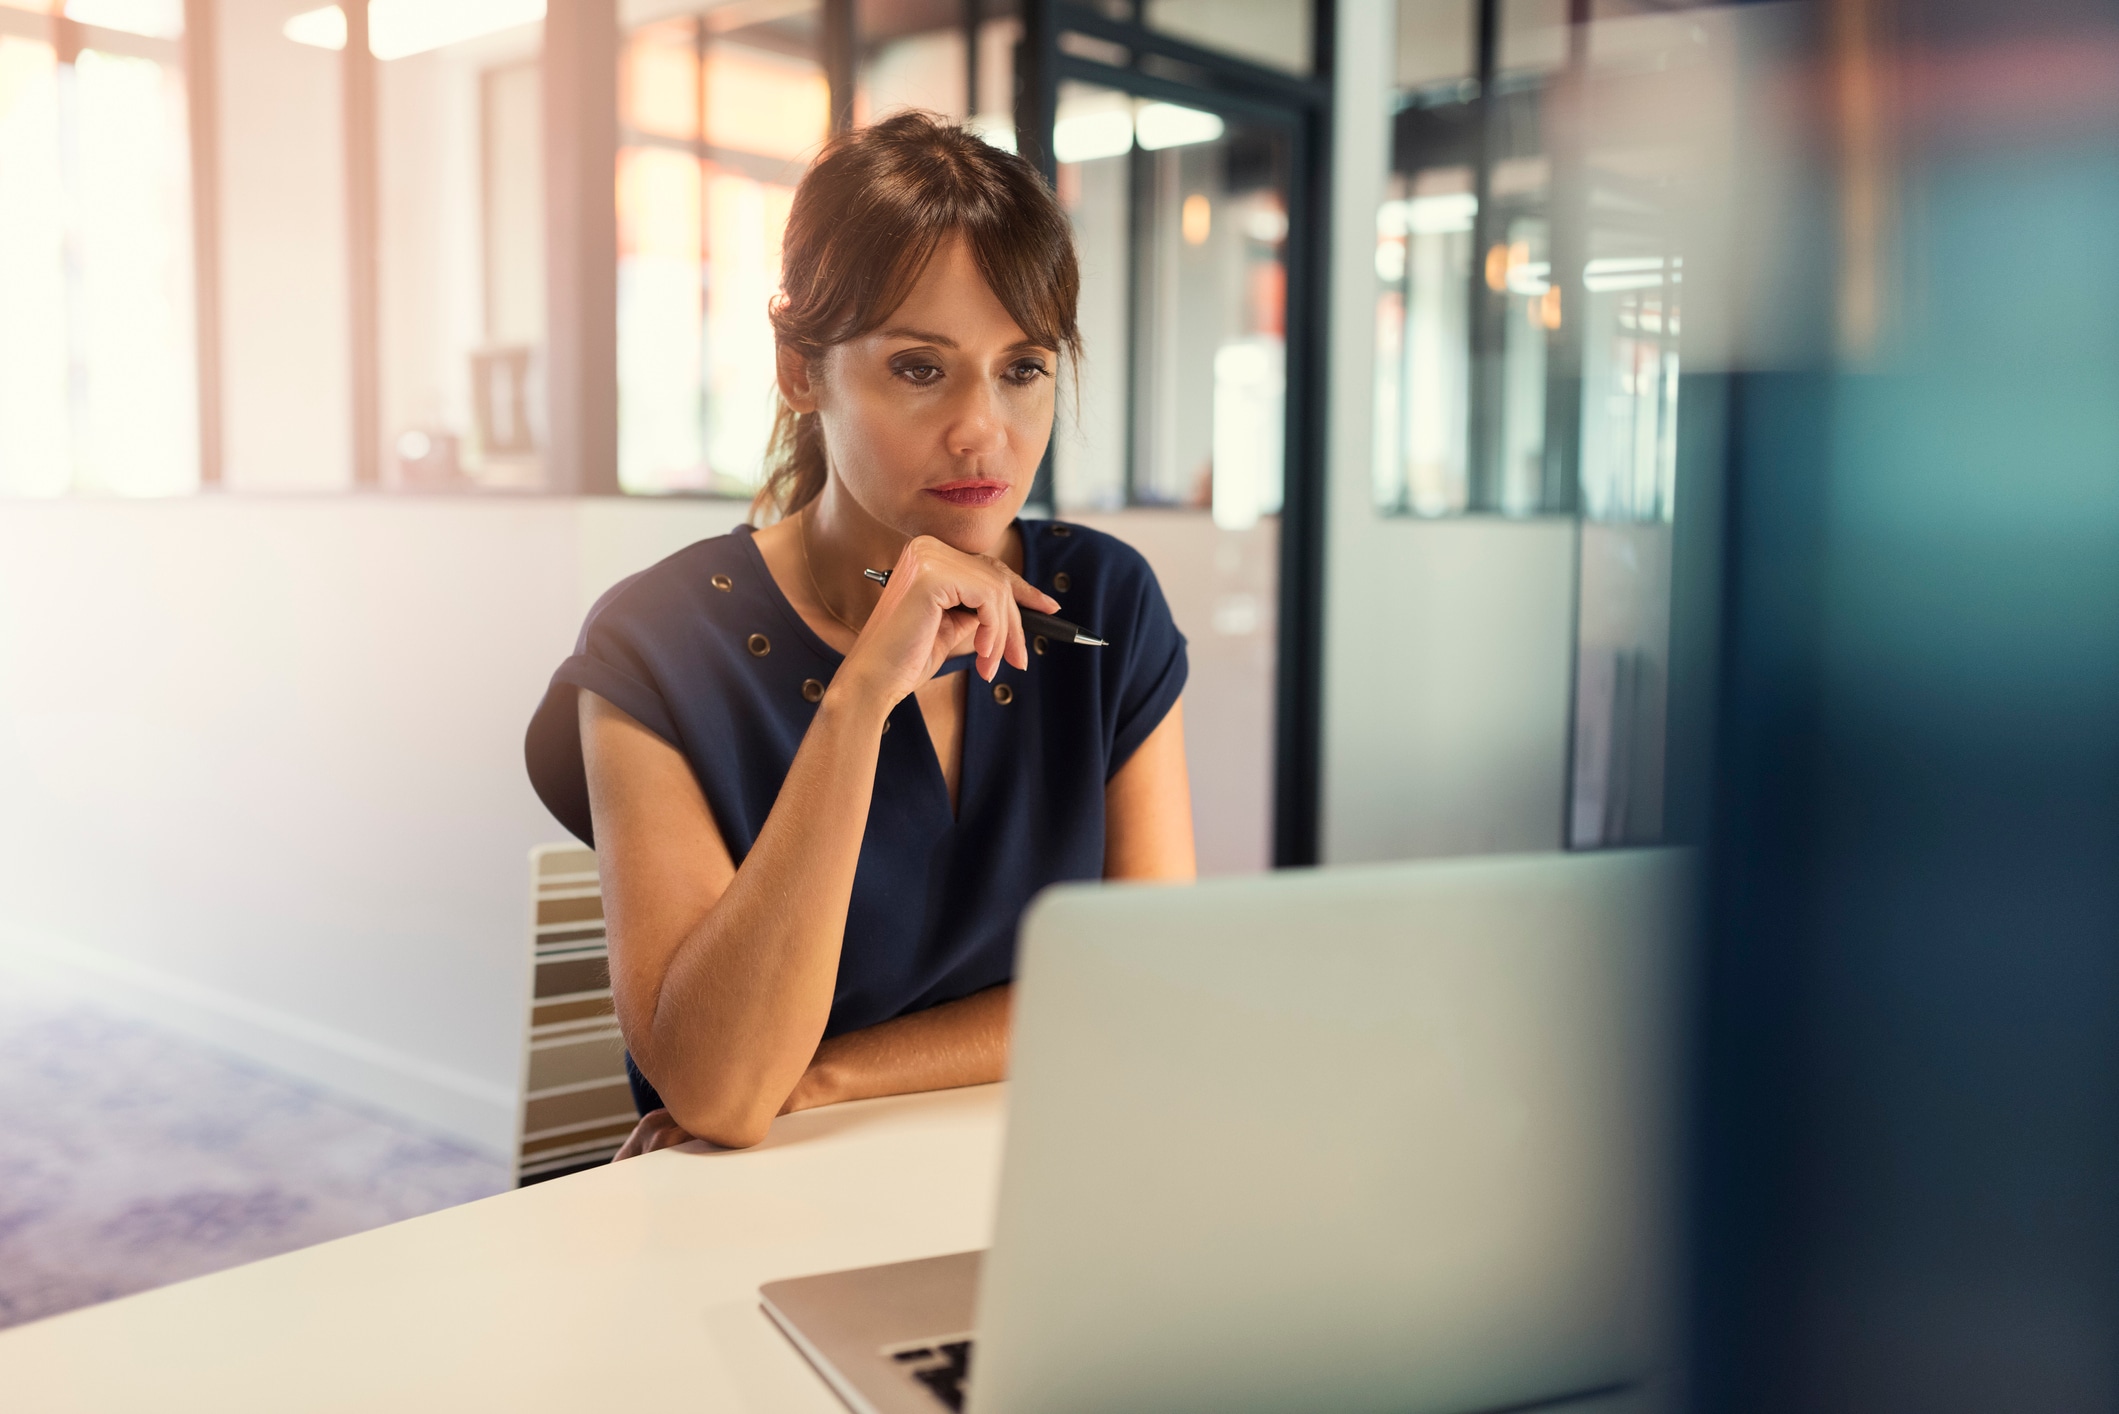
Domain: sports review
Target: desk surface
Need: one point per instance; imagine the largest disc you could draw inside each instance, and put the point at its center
(627, 1287)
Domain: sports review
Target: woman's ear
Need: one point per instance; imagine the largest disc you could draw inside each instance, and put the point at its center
(797, 389)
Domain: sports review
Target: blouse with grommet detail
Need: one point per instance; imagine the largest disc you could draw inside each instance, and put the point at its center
(706, 652)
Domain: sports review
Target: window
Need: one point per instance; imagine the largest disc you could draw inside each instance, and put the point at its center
(920, 55)
(1181, 220)
(719, 119)
(98, 390)
(1527, 318)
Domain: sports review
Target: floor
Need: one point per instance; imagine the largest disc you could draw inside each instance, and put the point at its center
(131, 1157)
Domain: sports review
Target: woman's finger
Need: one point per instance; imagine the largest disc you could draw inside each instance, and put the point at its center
(993, 630)
(1017, 648)
(1023, 593)
(668, 1137)
(977, 589)
(977, 597)
(1030, 595)
(640, 1140)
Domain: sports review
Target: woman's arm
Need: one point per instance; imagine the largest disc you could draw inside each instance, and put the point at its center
(1148, 808)
(723, 976)
(1147, 835)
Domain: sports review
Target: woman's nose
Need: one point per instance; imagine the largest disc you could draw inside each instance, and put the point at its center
(979, 429)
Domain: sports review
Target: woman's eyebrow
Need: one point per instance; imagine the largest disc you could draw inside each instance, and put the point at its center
(928, 336)
(922, 335)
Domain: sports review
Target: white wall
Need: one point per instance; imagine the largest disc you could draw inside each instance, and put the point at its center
(262, 767)
(1447, 643)
(1222, 589)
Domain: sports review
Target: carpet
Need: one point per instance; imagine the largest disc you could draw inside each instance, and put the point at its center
(131, 1157)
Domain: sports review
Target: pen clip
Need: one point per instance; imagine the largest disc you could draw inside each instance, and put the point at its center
(879, 576)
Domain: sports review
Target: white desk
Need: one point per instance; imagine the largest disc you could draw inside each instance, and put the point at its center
(631, 1287)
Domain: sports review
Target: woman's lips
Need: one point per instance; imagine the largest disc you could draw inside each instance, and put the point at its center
(969, 493)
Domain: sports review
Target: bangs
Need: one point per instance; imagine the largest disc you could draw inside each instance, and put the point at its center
(866, 221)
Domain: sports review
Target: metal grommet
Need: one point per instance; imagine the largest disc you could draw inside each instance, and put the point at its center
(1063, 530)
(1003, 693)
(722, 582)
(759, 645)
(886, 724)
(1062, 582)
(1037, 644)
(812, 690)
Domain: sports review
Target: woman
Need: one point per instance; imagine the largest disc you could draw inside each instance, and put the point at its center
(816, 832)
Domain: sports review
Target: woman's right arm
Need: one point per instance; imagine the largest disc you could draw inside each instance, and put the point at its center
(723, 976)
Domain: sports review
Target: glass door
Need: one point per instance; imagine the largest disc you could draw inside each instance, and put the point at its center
(1175, 436)
(1191, 430)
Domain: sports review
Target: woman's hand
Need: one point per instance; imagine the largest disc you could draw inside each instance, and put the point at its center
(657, 1130)
(939, 602)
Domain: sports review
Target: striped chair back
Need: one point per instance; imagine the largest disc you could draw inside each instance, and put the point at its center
(576, 1106)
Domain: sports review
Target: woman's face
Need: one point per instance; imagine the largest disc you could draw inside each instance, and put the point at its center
(935, 422)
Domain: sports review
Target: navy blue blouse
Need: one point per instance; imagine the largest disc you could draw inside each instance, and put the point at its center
(706, 652)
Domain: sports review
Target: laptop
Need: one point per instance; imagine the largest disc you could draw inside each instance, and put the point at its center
(1387, 1138)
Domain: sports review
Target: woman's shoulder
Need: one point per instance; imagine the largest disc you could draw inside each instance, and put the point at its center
(705, 581)
(1061, 546)
(1106, 586)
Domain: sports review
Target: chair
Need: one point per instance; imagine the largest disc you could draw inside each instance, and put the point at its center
(576, 1106)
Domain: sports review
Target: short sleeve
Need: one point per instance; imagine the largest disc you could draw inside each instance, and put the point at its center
(610, 660)
(1155, 669)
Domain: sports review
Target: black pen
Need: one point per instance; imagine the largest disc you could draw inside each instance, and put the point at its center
(1035, 623)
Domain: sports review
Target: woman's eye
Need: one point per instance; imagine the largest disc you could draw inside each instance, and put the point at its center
(919, 372)
(1028, 371)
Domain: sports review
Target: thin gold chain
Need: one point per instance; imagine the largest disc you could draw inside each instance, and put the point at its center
(811, 570)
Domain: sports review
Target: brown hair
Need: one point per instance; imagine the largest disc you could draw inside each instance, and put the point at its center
(867, 219)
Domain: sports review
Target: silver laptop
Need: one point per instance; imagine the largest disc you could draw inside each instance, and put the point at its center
(1386, 1138)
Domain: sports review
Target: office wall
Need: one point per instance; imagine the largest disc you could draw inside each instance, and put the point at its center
(262, 768)
(1447, 643)
(1446, 682)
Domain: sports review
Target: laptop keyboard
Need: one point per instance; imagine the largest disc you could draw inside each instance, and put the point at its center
(941, 1365)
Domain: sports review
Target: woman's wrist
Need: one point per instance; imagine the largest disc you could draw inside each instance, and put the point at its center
(819, 1085)
(856, 703)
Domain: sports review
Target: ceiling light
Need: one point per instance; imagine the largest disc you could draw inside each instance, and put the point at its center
(1630, 272)
(1085, 137)
(398, 29)
(324, 29)
(1161, 125)
(156, 19)
(1437, 215)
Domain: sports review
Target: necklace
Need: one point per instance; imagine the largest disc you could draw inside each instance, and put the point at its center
(815, 588)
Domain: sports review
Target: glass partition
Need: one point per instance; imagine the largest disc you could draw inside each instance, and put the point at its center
(1527, 327)
(461, 317)
(721, 112)
(1181, 219)
(1529, 335)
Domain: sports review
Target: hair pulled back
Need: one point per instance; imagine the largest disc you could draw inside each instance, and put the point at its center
(867, 218)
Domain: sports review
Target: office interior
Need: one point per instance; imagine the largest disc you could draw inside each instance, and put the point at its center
(1559, 426)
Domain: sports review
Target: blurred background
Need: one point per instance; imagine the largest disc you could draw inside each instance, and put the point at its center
(1557, 424)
